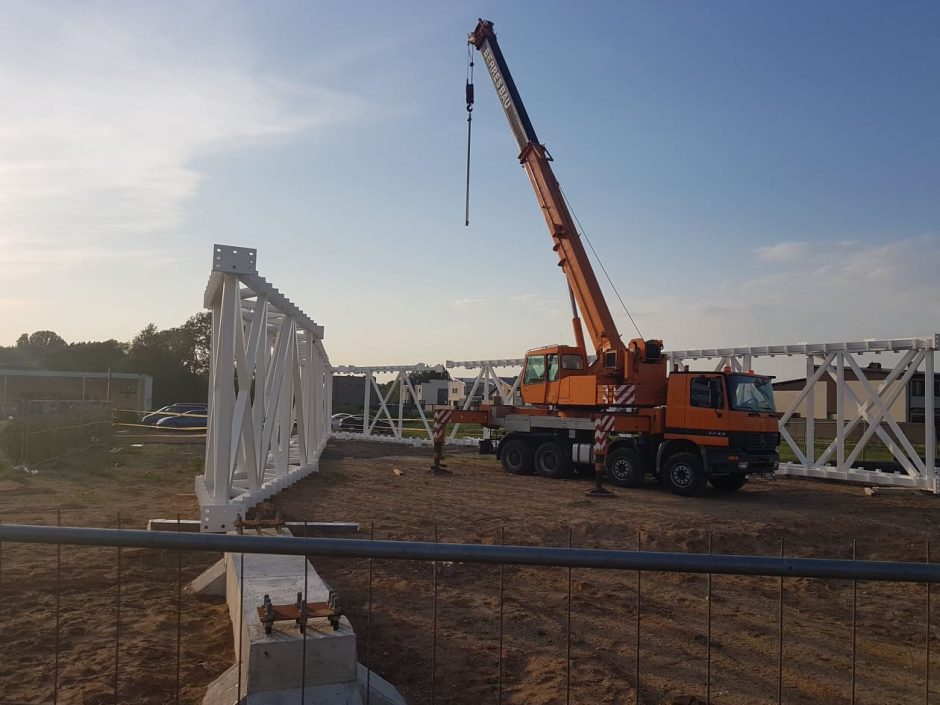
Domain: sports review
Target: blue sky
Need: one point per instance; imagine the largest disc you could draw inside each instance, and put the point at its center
(751, 173)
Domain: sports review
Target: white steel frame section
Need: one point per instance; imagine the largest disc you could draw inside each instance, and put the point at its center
(874, 404)
(486, 376)
(404, 386)
(268, 372)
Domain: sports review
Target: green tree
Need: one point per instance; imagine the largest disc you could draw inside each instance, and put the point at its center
(197, 338)
(427, 375)
(46, 339)
(170, 357)
(88, 357)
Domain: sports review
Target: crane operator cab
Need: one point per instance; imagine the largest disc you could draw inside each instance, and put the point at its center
(562, 375)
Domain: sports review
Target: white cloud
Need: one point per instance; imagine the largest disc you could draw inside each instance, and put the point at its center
(459, 303)
(897, 263)
(106, 110)
(784, 252)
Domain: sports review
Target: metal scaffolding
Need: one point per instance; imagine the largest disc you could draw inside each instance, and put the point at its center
(840, 458)
(270, 391)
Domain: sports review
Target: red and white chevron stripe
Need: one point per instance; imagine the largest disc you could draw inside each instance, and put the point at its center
(603, 425)
(441, 419)
(625, 394)
(620, 394)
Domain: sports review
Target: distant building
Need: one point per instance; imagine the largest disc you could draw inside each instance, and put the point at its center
(349, 391)
(909, 407)
(48, 391)
(433, 392)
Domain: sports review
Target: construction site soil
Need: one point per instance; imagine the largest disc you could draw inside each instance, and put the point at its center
(460, 662)
(479, 502)
(97, 649)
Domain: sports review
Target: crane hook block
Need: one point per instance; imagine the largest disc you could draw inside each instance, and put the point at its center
(469, 96)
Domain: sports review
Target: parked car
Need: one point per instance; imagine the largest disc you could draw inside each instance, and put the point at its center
(336, 421)
(353, 424)
(181, 415)
(191, 421)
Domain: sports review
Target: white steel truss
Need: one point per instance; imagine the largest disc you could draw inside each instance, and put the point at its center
(841, 458)
(873, 400)
(270, 391)
(404, 386)
(486, 376)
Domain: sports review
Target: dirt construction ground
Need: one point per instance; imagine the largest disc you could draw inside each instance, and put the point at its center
(357, 482)
(479, 502)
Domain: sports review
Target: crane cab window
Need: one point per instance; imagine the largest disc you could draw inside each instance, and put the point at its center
(572, 362)
(707, 393)
(535, 369)
(553, 368)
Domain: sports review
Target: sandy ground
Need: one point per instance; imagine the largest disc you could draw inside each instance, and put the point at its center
(479, 502)
(91, 489)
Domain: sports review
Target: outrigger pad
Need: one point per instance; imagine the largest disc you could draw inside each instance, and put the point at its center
(600, 492)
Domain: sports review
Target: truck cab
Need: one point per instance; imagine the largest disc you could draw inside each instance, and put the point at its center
(725, 420)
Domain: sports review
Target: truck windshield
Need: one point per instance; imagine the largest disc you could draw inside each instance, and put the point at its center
(751, 393)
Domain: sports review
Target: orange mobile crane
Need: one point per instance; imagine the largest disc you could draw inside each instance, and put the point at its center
(619, 412)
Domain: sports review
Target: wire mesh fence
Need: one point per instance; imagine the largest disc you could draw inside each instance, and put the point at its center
(497, 622)
(30, 438)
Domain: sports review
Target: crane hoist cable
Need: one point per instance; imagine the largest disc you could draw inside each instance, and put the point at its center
(469, 92)
(598, 259)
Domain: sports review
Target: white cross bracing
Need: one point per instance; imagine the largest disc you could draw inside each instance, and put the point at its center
(406, 394)
(270, 391)
(874, 417)
(487, 375)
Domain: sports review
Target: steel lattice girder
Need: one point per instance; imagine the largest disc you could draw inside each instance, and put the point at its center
(269, 375)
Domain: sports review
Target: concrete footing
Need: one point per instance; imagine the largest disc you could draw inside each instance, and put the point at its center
(224, 691)
(211, 582)
(274, 668)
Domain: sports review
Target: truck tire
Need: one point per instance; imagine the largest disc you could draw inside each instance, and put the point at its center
(727, 483)
(551, 460)
(684, 474)
(516, 456)
(625, 467)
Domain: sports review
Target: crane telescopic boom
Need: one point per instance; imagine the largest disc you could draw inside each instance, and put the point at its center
(572, 257)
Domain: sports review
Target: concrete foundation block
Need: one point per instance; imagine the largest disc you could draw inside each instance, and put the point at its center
(211, 583)
(382, 692)
(223, 691)
(286, 666)
(188, 525)
(272, 662)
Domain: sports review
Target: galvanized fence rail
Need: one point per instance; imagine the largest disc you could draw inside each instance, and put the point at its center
(499, 555)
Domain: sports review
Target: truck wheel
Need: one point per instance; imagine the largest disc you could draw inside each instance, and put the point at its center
(551, 460)
(516, 456)
(625, 467)
(727, 483)
(684, 474)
